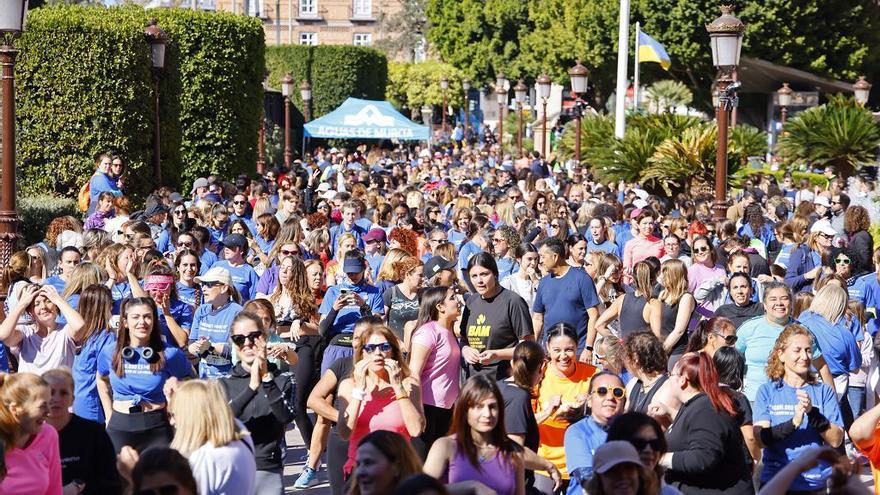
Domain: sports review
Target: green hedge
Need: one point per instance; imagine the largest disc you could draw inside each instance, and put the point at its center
(335, 73)
(85, 86)
(815, 179)
(35, 213)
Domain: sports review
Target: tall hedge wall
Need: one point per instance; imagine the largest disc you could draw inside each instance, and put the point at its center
(85, 86)
(335, 73)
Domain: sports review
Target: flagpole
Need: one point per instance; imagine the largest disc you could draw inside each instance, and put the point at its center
(622, 63)
(636, 70)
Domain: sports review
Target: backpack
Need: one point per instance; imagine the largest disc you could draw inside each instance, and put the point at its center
(83, 198)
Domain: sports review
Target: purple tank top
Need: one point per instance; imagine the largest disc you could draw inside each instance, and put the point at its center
(496, 473)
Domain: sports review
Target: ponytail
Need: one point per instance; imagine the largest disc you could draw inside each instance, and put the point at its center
(700, 371)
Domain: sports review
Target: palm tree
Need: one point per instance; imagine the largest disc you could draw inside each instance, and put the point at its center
(840, 132)
(668, 94)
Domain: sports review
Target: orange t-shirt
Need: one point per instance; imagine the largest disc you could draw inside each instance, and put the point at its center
(552, 431)
(871, 449)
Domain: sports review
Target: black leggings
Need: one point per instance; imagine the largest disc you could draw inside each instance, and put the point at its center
(306, 378)
(139, 430)
(337, 456)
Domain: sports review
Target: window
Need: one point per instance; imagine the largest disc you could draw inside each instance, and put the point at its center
(363, 8)
(363, 39)
(253, 7)
(308, 8)
(308, 38)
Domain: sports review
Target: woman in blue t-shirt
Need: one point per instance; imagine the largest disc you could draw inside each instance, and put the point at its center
(176, 316)
(95, 306)
(209, 337)
(118, 260)
(188, 266)
(132, 377)
(794, 412)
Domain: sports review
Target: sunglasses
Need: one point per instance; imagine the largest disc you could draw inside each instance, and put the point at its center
(728, 339)
(641, 443)
(285, 252)
(323, 207)
(371, 348)
(617, 392)
(701, 250)
(239, 202)
(827, 236)
(497, 240)
(184, 244)
(439, 240)
(208, 284)
(162, 490)
(180, 212)
(239, 340)
(843, 261)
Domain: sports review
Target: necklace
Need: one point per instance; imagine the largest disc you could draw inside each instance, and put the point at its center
(483, 457)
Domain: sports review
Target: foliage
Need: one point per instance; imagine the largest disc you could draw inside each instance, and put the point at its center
(335, 73)
(480, 37)
(403, 32)
(815, 179)
(85, 87)
(413, 85)
(36, 212)
(666, 152)
(840, 133)
(668, 94)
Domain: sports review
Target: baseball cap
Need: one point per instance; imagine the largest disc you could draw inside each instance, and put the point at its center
(235, 240)
(614, 453)
(200, 182)
(374, 235)
(353, 264)
(823, 226)
(155, 209)
(215, 274)
(435, 264)
(822, 201)
(323, 187)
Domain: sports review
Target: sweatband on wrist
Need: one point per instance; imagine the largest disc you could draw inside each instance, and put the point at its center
(817, 420)
(359, 394)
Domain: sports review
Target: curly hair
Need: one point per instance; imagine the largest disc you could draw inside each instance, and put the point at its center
(855, 219)
(510, 234)
(55, 228)
(775, 368)
(644, 350)
(316, 220)
(301, 298)
(407, 238)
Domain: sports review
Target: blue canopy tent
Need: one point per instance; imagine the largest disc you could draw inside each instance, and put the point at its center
(366, 119)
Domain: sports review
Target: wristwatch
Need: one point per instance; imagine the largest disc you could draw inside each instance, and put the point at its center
(588, 348)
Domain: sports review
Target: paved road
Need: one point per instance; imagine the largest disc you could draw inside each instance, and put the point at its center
(296, 453)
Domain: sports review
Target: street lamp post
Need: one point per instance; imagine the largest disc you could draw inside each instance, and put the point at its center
(444, 85)
(157, 39)
(427, 119)
(501, 84)
(579, 77)
(466, 87)
(286, 91)
(726, 33)
(544, 86)
(305, 94)
(862, 89)
(784, 94)
(261, 137)
(12, 13)
(519, 93)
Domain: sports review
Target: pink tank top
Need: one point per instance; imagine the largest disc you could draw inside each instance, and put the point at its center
(497, 473)
(380, 412)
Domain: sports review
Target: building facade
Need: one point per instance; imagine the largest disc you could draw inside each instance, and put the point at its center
(313, 22)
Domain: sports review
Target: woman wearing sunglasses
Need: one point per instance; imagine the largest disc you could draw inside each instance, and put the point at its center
(381, 394)
(178, 223)
(561, 396)
(607, 399)
(261, 398)
(646, 435)
(209, 337)
(816, 419)
(805, 263)
(707, 453)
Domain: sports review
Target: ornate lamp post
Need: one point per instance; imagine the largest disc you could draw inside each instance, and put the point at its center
(466, 87)
(862, 89)
(444, 85)
(261, 137)
(157, 39)
(716, 99)
(12, 14)
(544, 84)
(726, 33)
(784, 94)
(519, 94)
(305, 94)
(286, 91)
(427, 118)
(579, 77)
(501, 85)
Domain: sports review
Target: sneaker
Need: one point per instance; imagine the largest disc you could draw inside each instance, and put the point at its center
(307, 479)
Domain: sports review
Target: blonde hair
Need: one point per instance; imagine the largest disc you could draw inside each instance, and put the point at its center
(386, 271)
(830, 302)
(62, 374)
(84, 275)
(201, 415)
(18, 388)
(340, 255)
(673, 273)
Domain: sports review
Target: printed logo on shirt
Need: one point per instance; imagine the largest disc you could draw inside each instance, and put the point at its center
(136, 369)
(478, 335)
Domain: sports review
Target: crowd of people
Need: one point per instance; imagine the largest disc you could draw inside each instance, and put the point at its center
(448, 322)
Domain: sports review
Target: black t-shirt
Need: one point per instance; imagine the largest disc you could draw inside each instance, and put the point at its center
(87, 455)
(740, 314)
(519, 418)
(342, 368)
(402, 309)
(498, 322)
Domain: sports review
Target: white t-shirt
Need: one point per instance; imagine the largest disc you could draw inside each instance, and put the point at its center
(522, 287)
(38, 354)
(227, 470)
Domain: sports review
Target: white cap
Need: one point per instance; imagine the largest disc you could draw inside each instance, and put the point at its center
(823, 201)
(323, 187)
(640, 203)
(823, 226)
(215, 274)
(641, 193)
(328, 195)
